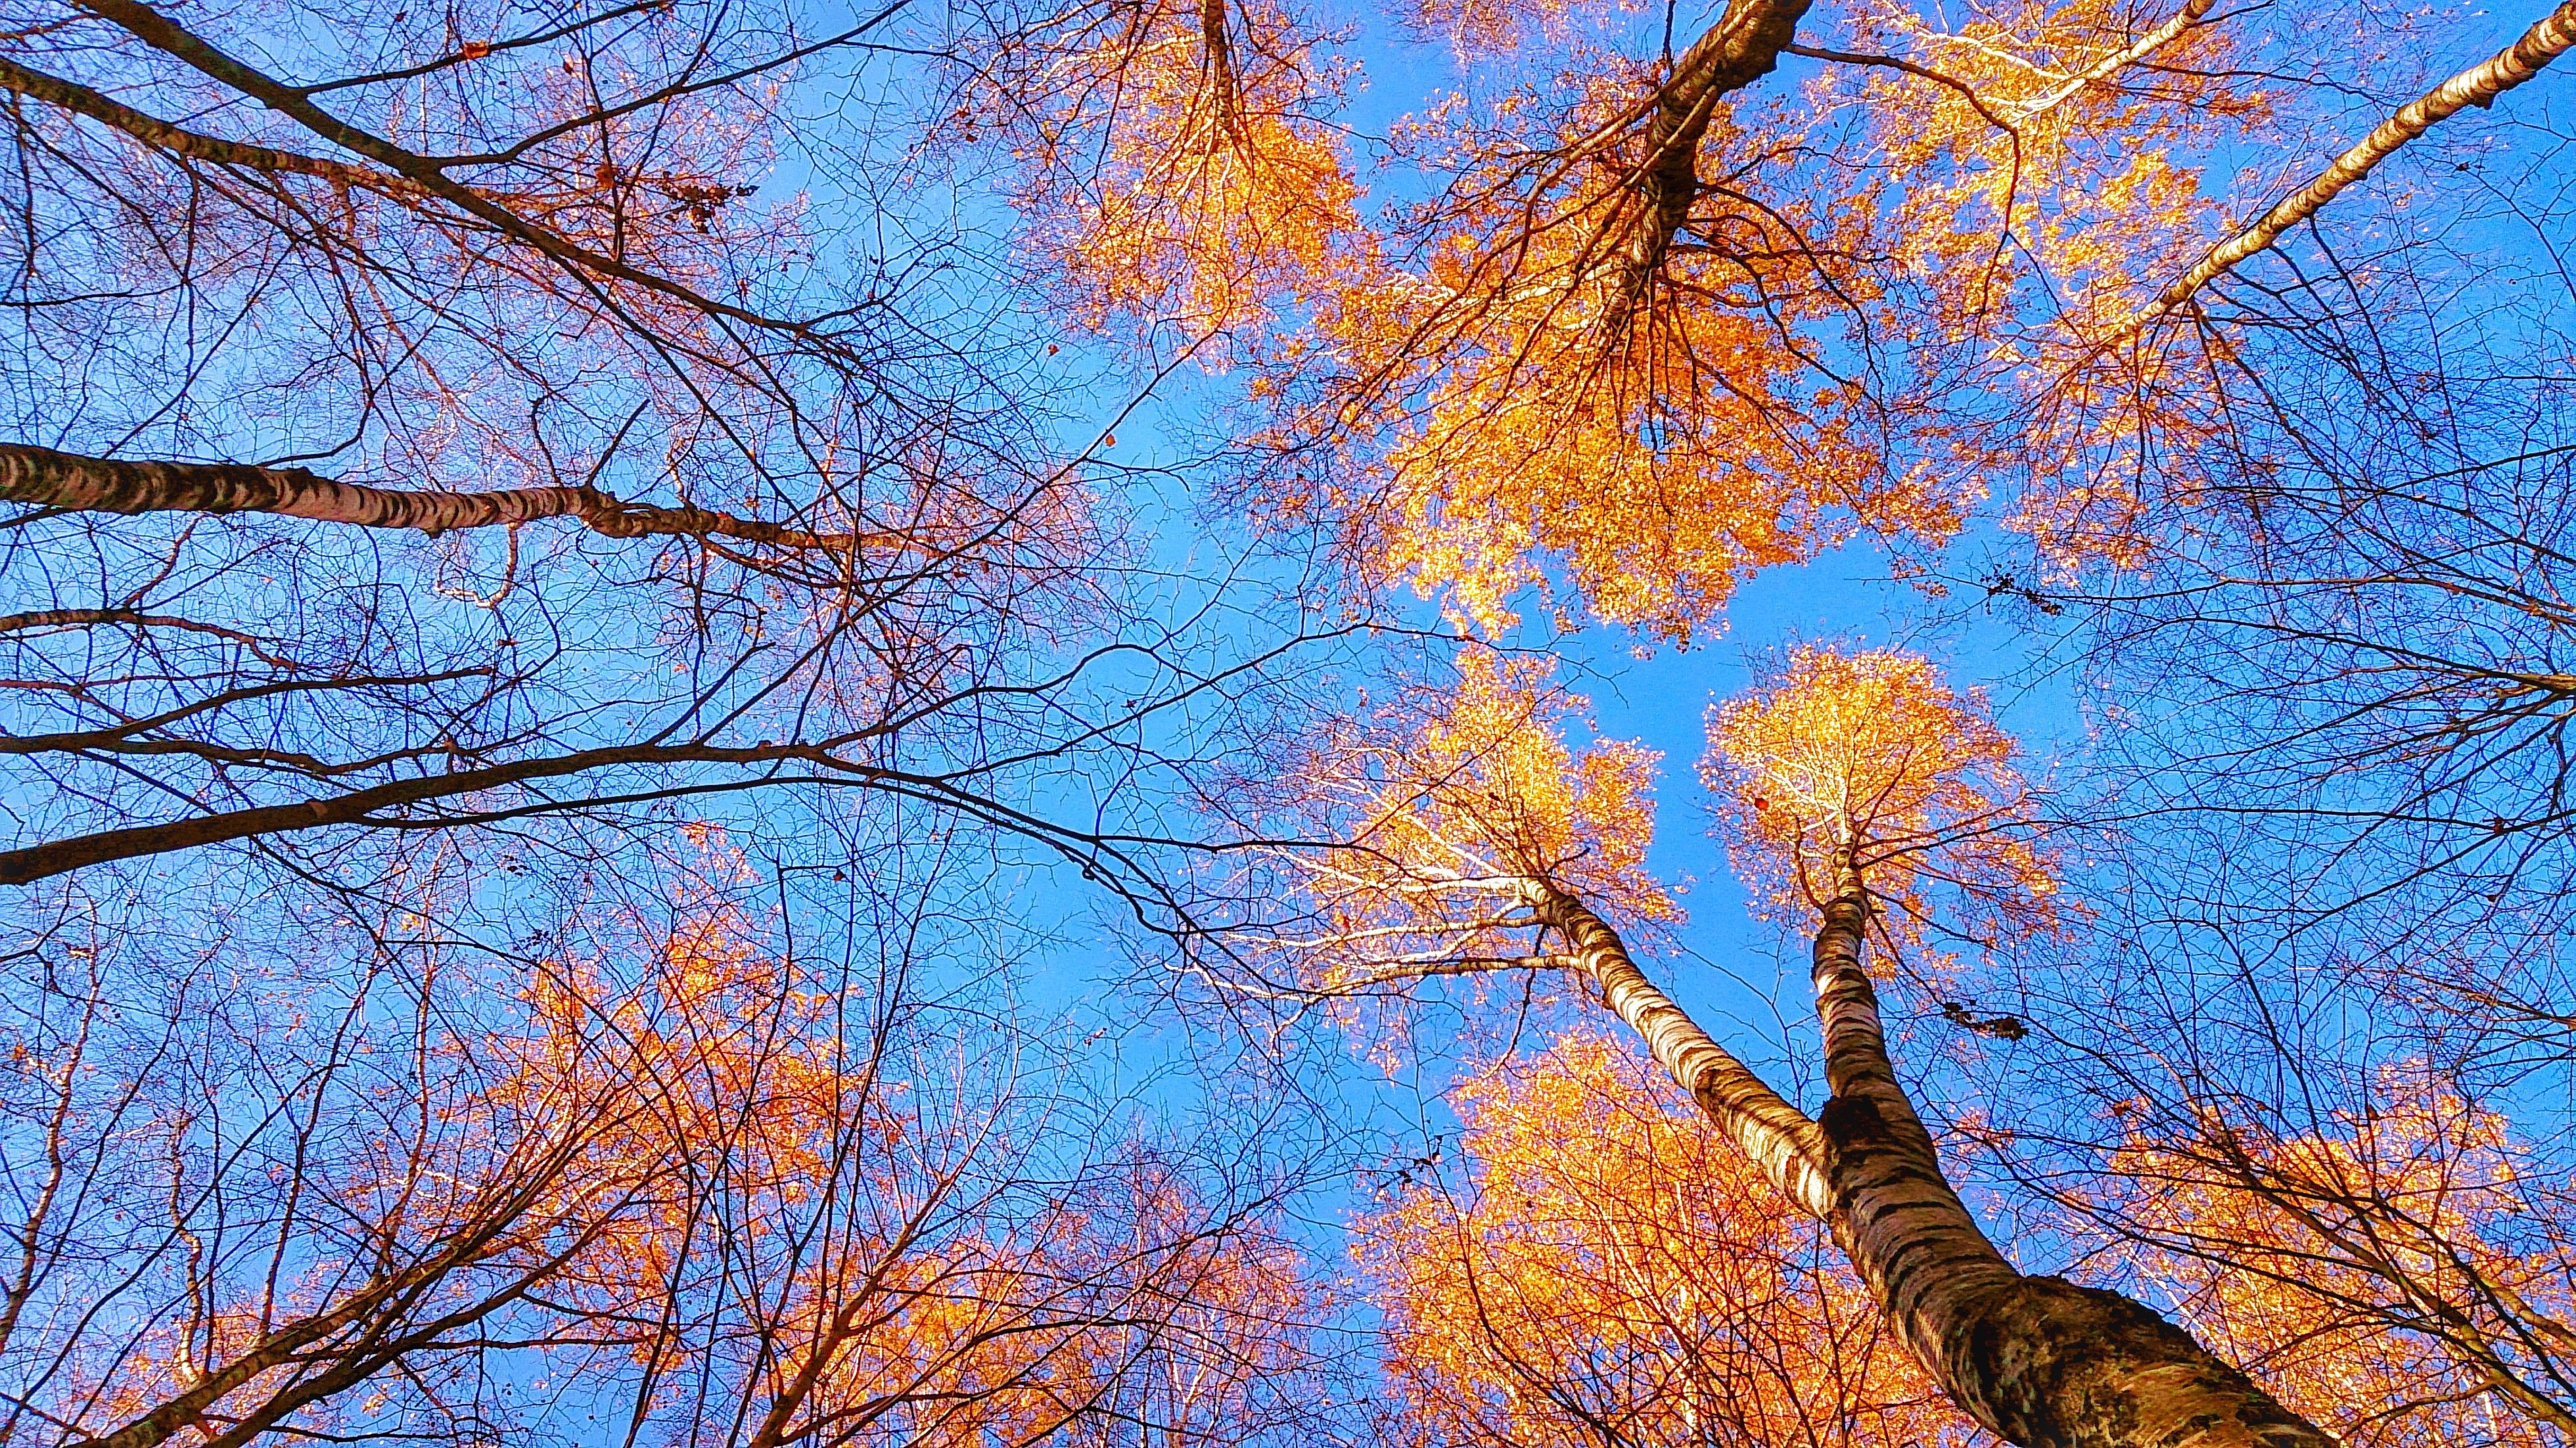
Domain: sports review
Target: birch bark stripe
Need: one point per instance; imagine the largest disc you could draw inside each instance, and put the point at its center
(2480, 86)
(2190, 15)
(2042, 1361)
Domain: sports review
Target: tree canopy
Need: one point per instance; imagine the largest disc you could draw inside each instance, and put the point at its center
(747, 724)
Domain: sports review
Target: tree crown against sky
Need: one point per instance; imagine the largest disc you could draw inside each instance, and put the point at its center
(465, 455)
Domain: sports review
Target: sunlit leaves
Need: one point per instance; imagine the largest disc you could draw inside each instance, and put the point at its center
(1449, 804)
(2386, 1274)
(1600, 1266)
(1870, 756)
(1172, 164)
(858, 1256)
(1545, 384)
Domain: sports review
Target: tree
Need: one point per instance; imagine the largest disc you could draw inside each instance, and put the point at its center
(696, 317)
(429, 419)
(2321, 997)
(1637, 332)
(714, 1195)
(2384, 1275)
(1850, 770)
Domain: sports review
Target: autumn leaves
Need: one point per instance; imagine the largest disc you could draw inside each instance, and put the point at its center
(1843, 759)
(1870, 759)
(1627, 319)
(1600, 1260)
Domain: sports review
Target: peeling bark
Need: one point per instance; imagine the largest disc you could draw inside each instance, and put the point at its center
(2478, 86)
(49, 479)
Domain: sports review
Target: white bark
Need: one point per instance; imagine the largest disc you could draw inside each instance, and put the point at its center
(45, 478)
(1776, 1135)
(2478, 86)
(2041, 1361)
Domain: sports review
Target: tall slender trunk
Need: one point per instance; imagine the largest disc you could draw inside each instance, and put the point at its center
(2041, 1361)
(45, 478)
(1776, 1135)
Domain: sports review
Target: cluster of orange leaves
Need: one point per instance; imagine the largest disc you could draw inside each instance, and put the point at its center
(1172, 167)
(2088, 182)
(912, 1300)
(1609, 1269)
(1449, 801)
(2372, 1276)
(1526, 411)
(1871, 755)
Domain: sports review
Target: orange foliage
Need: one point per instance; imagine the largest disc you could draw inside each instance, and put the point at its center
(2365, 1275)
(1171, 165)
(1128, 1304)
(2081, 174)
(1522, 376)
(1612, 1270)
(1526, 399)
(896, 1288)
(1450, 801)
(2090, 183)
(1872, 754)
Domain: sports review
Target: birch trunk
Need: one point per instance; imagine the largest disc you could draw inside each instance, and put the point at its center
(2477, 86)
(1776, 1135)
(2041, 1361)
(49, 479)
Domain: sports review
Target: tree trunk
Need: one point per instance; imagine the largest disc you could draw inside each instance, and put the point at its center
(2040, 1360)
(2043, 1362)
(1776, 1135)
(49, 479)
(1741, 48)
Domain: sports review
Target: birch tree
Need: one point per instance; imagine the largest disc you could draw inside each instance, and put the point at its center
(1865, 789)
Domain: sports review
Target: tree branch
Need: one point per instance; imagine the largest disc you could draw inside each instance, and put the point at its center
(37, 862)
(2479, 86)
(161, 33)
(178, 140)
(2157, 39)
